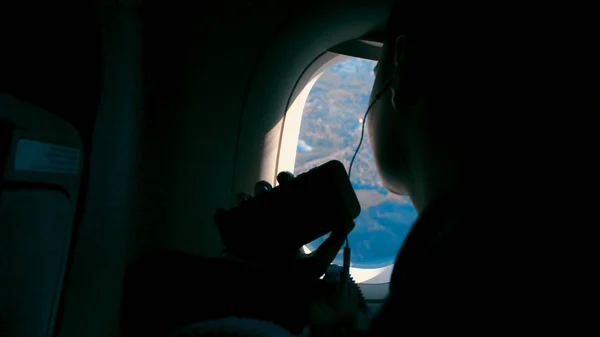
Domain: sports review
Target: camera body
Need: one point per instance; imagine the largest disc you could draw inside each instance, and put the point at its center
(292, 214)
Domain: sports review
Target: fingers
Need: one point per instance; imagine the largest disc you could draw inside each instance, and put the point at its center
(317, 262)
(259, 188)
(284, 177)
(348, 228)
(262, 187)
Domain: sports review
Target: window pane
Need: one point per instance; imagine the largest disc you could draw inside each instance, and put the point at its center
(330, 129)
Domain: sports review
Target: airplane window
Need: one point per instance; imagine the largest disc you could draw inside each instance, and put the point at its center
(330, 129)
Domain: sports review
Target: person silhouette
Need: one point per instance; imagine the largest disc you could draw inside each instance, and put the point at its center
(459, 115)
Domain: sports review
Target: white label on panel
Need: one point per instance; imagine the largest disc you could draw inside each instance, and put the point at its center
(46, 157)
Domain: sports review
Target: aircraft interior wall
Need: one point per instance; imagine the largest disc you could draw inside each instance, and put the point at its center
(51, 61)
(189, 110)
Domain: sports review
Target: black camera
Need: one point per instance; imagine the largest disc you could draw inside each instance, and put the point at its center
(292, 214)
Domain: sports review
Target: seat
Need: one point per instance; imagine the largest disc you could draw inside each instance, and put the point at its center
(40, 161)
(168, 289)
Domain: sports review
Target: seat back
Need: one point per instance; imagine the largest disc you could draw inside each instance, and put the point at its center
(40, 162)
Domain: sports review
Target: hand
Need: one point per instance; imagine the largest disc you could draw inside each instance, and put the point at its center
(338, 310)
(315, 264)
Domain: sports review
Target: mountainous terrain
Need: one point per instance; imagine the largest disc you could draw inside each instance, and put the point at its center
(330, 129)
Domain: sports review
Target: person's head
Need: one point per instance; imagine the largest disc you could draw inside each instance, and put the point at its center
(417, 126)
(453, 87)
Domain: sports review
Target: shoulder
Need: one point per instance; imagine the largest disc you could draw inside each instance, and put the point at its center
(453, 243)
(442, 279)
(434, 251)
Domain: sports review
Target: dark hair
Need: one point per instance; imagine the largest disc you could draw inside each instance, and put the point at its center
(481, 71)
